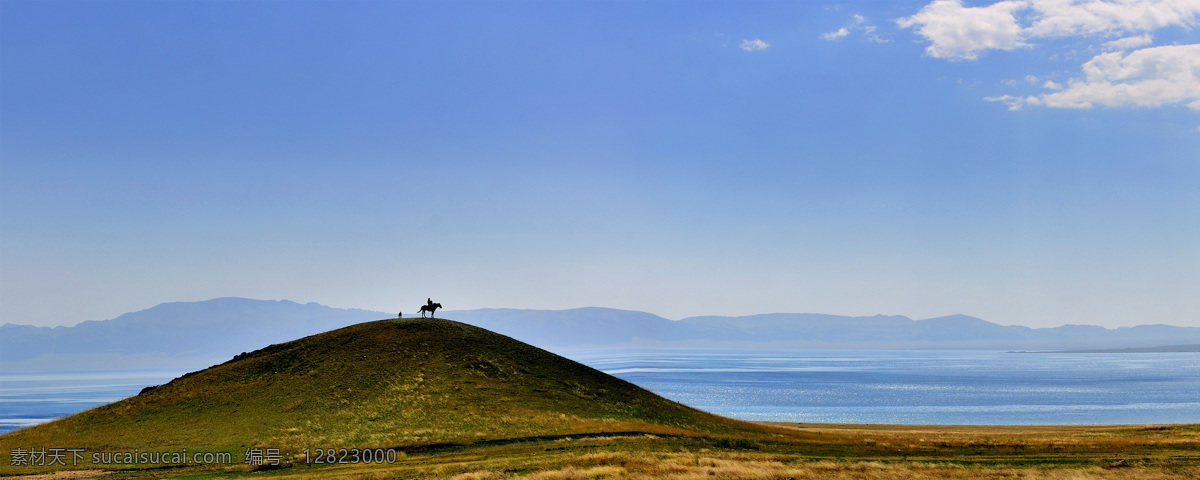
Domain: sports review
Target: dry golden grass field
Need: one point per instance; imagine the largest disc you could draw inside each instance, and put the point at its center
(780, 451)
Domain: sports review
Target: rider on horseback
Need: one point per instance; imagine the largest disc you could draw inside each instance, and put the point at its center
(429, 307)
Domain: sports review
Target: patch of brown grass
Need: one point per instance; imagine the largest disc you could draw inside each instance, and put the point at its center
(686, 466)
(479, 475)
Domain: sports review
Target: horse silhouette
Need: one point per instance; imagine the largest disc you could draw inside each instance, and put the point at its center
(430, 308)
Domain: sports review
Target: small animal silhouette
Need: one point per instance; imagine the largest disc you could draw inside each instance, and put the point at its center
(430, 308)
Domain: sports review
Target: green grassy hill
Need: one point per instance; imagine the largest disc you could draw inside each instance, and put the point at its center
(389, 383)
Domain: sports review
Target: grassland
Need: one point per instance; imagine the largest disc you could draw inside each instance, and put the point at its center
(826, 451)
(456, 401)
(778, 451)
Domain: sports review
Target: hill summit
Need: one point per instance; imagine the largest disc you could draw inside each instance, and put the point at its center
(387, 383)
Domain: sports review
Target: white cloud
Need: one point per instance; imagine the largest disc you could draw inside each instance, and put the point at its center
(1030, 79)
(871, 36)
(1094, 17)
(962, 33)
(1131, 72)
(857, 23)
(1129, 43)
(956, 32)
(1014, 103)
(836, 35)
(754, 45)
(1150, 77)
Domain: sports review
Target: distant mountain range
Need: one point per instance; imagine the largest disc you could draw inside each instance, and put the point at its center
(170, 335)
(604, 327)
(193, 334)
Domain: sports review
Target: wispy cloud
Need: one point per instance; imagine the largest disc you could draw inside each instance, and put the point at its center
(1014, 103)
(754, 45)
(1150, 77)
(1128, 43)
(1055, 18)
(1130, 72)
(836, 34)
(1030, 79)
(857, 23)
(956, 32)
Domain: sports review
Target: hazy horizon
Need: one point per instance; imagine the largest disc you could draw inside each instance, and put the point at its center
(1027, 163)
(412, 312)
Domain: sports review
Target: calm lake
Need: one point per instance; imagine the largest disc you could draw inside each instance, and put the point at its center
(843, 386)
(28, 398)
(918, 387)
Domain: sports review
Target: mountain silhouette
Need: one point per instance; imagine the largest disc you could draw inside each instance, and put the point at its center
(194, 334)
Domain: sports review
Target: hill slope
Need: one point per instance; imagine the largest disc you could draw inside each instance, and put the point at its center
(388, 383)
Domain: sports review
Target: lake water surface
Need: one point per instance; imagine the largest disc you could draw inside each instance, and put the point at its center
(918, 387)
(28, 398)
(842, 386)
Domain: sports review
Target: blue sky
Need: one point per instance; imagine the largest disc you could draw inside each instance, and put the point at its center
(1027, 162)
